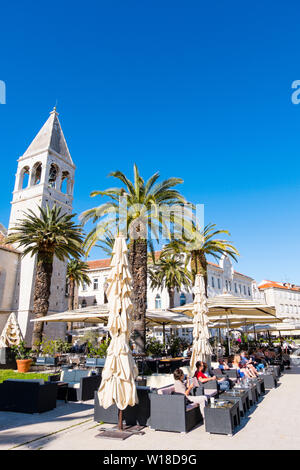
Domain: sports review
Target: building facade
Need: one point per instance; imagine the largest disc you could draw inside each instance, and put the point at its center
(285, 297)
(45, 176)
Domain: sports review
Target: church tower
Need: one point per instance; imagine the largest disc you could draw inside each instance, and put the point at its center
(45, 176)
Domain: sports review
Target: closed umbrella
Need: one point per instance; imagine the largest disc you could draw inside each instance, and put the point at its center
(11, 334)
(119, 373)
(202, 350)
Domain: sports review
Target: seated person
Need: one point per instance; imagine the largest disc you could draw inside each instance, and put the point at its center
(185, 389)
(259, 358)
(259, 354)
(187, 352)
(269, 355)
(223, 364)
(257, 362)
(200, 374)
(241, 369)
(248, 363)
(285, 358)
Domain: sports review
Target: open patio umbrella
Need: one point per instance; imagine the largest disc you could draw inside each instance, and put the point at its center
(165, 318)
(282, 328)
(231, 307)
(11, 334)
(119, 373)
(228, 309)
(202, 349)
(242, 321)
(95, 314)
(100, 314)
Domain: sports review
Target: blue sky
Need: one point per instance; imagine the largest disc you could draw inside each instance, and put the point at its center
(200, 90)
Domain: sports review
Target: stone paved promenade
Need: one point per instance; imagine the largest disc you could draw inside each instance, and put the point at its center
(273, 424)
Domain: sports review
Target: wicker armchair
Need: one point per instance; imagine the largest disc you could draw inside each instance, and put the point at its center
(173, 412)
(27, 396)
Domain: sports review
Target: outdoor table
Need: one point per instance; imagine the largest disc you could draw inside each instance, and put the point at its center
(153, 364)
(274, 369)
(157, 364)
(270, 381)
(172, 363)
(241, 396)
(222, 416)
(260, 385)
(252, 391)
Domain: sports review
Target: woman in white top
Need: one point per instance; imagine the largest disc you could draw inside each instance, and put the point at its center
(185, 389)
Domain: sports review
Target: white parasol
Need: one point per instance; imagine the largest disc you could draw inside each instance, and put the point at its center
(119, 374)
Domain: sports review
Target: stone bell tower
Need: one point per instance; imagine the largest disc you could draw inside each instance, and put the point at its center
(45, 176)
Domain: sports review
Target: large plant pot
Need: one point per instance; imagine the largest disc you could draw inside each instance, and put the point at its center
(23, 365)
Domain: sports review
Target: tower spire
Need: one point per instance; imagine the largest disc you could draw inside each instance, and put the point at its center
(50, 137)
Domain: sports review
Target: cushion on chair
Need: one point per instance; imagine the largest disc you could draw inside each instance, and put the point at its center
(74, 375)
(73, 384)
(81, 373)
(166, 390)
(210, 392)
(67, 375)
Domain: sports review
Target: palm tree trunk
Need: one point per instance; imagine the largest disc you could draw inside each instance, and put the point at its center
(138, 266)
(71, 294)
(171, 293)
(42, 290)
(71, 305)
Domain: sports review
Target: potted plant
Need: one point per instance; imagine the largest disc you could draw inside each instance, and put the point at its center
(154, 347)
(23, 357)
(176, 345)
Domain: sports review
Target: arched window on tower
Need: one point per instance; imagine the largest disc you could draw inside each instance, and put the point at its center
(24, 177)
(157, 302)
(36, 174)
(65, 182)
(53, 173)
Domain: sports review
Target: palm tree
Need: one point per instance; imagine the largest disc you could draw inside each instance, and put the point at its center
(201, 244)
(171, 273)
(107, 243)
(145, 203)
(47, 235)
(77, 273)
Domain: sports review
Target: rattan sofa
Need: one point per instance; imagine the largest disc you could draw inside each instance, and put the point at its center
(132, 415)
(173, 412)
(27, 396)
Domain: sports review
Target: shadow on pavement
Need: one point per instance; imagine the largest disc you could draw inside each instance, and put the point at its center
(62, 412)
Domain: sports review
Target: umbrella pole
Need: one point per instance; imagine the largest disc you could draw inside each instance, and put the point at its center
(164, 333)
(120, 425)
(255, 338)
(269, 337)
(228, 337)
